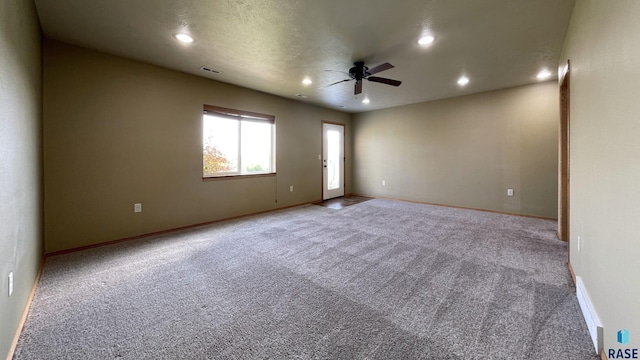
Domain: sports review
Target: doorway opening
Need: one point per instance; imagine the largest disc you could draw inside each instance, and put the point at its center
(563, 158)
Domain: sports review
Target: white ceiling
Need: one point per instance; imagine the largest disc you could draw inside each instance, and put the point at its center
(271, 45)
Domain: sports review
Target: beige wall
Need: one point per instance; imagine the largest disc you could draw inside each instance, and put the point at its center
(603, 45)
(465, 151)
(20, 160)
(118, 132)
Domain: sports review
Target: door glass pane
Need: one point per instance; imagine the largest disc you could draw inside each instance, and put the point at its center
(333, 159)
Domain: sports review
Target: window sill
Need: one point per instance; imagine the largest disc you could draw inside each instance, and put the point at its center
(229, 177)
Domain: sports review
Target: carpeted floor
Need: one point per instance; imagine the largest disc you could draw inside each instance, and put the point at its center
(376, 280)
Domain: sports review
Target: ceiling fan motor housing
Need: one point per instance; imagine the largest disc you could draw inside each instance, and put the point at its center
(359, 71)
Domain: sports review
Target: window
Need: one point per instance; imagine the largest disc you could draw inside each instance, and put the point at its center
(236, 142)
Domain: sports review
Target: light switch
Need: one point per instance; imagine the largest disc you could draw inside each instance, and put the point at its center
(11, 283)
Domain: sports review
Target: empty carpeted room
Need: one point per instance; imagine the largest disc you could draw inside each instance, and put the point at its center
(319, 179)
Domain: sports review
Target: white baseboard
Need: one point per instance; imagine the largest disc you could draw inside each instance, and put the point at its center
(590, 316)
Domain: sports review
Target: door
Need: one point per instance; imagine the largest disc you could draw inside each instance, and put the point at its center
(332, 160)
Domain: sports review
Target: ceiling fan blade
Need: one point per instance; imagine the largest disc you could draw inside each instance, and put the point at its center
(384, 80)
(337, 82)
(358, 88)
(342, 72)
(379, 68)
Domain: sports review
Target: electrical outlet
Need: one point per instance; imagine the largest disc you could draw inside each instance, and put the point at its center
(291, 188)
(384, 183)
(319, 157)
(137, 207)
(11, 283)
(509, 192)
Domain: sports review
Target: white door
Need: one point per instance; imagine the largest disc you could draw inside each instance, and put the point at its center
(332, 161)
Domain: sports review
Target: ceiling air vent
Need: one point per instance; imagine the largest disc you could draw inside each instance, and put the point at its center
(208, 69)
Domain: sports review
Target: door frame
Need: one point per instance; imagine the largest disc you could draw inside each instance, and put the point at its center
(344, 156)
(563, 156)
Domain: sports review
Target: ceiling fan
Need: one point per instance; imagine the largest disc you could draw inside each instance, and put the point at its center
(359, 71)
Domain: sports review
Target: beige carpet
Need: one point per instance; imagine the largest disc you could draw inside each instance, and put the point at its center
(376, 280)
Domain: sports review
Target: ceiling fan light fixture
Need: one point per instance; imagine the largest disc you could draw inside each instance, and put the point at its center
(184, 38)
(543, 74)
(463, 80)
(426, 40)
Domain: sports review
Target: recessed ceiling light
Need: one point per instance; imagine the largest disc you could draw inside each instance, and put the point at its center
(307, 81)
(543, 74)
(463, 80)
(184, 38)
(366, 101)
(426, 40)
